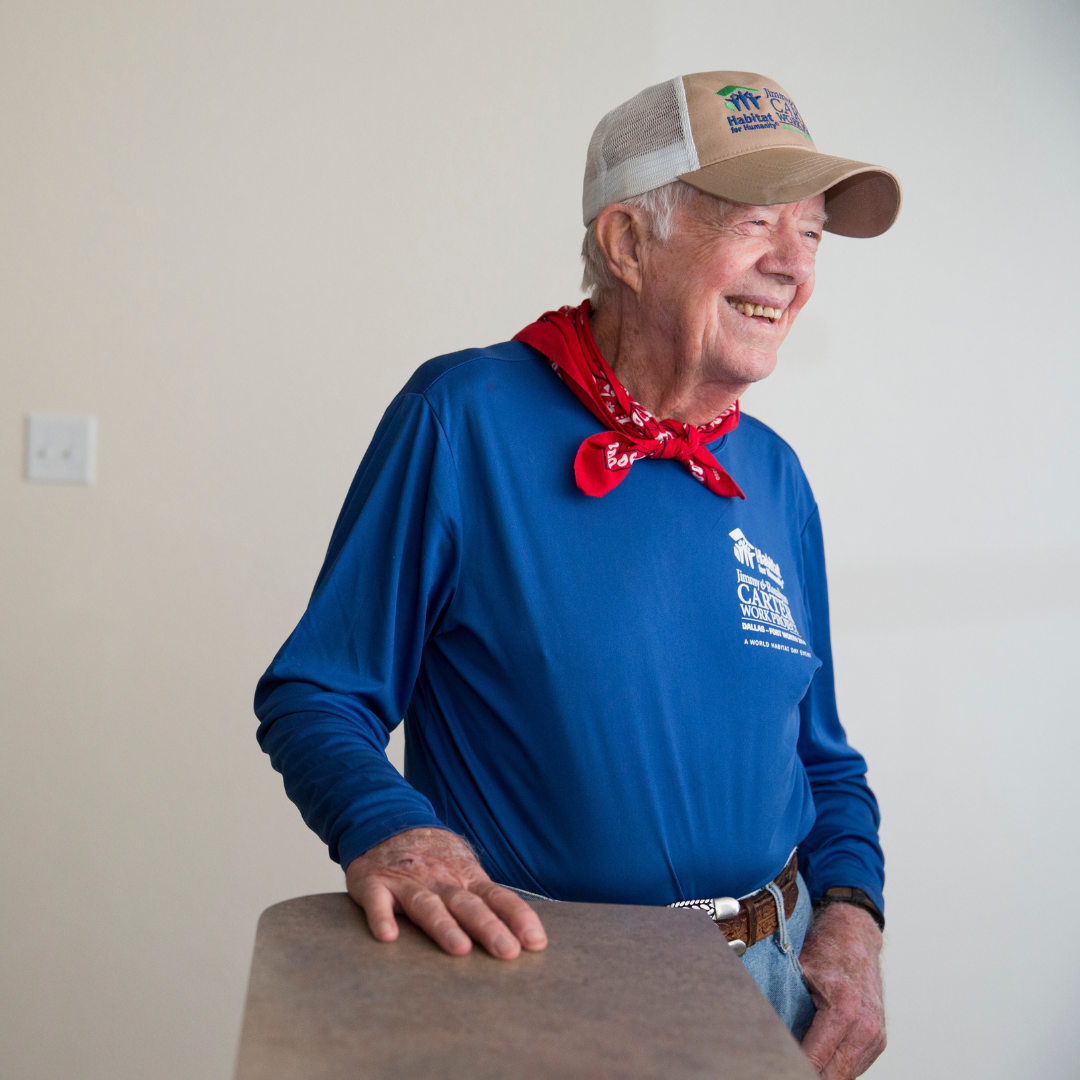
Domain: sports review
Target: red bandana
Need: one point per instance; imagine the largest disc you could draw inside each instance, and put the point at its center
(604, 459)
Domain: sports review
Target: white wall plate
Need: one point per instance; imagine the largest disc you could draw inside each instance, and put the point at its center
(61, 449)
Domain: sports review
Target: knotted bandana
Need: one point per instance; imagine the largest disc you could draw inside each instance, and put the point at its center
(604, 459)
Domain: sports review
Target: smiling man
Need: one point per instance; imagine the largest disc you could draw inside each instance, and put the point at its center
(597, 594)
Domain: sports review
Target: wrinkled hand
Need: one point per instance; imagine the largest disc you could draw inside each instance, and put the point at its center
(434, 878)
(840, 959)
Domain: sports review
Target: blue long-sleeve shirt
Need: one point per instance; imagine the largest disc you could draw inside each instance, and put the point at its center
(626, 699)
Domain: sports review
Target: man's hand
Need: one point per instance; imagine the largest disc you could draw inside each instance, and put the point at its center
(433, 877)
(840, 959)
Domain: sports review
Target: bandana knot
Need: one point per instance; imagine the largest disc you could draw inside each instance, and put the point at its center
(681, 446)
(604, 459)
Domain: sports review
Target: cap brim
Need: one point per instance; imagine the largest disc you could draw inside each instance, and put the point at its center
(861, 200)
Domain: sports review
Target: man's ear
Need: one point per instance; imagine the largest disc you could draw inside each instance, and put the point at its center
(621, 232)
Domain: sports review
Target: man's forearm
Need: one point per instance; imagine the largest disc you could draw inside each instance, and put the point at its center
(842, 848)
(336, 771)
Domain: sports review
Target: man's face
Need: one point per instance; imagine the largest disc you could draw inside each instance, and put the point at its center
(725, 263)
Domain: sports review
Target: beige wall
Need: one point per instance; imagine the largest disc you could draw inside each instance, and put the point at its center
(231, 230)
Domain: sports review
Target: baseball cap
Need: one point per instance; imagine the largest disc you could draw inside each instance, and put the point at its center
(738, 135)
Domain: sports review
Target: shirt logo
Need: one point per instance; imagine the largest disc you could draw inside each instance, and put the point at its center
(762, 603)
(747, 554)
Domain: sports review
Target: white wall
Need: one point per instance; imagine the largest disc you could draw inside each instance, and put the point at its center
(231, 230)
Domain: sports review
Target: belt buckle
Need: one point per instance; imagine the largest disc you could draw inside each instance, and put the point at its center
(727, 907)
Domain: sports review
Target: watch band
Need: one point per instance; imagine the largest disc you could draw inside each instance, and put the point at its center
(847, 894)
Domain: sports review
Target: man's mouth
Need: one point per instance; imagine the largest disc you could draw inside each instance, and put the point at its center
(759, 311)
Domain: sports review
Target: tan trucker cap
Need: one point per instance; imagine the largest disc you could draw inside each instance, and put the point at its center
(738, 135)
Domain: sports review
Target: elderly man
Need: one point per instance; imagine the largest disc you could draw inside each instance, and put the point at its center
(596, 592)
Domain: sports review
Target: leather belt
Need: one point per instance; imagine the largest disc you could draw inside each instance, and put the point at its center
(750, 920)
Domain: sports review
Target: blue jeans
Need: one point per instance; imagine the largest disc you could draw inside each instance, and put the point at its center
(774, 965)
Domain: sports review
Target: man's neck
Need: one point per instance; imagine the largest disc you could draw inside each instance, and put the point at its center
(661, 371)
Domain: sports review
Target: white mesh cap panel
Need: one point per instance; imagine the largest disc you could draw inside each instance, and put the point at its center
(643, 144)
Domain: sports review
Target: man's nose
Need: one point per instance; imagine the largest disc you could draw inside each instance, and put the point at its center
(789, 255)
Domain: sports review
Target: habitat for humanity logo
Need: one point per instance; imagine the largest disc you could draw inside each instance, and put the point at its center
(750, 115)
(764, 606)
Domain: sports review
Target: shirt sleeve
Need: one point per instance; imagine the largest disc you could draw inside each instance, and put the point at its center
(842, 848)
(342, 681)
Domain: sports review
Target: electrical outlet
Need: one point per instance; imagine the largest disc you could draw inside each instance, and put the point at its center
(61, 449)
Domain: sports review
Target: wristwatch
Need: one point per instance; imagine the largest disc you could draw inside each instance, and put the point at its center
(846, 894)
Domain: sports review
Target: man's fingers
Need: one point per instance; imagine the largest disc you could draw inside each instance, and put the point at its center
(523, 922)
(427, 910)
(476, 918)
(822, 1038)
(854, 1055)
(841, 1048)
(437, 882)
(378, 904)
(840, 1066)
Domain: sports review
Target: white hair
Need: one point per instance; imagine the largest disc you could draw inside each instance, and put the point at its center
(659, 207)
